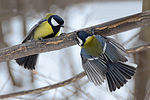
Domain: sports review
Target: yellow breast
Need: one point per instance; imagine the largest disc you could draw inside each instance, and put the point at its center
(43, 30)
(89, 40)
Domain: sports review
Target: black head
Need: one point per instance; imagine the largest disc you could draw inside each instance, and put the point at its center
(81, 37)
(56, 22)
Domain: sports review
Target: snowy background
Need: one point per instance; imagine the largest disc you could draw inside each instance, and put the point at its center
(56, 66)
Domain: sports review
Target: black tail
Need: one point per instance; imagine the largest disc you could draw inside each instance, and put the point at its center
(28, 61)
(118, 73)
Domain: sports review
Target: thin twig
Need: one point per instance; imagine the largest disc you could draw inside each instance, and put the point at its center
(11, 74)
(139, 48)
(38, 90)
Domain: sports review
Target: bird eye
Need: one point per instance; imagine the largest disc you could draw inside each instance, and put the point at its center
(53, 22)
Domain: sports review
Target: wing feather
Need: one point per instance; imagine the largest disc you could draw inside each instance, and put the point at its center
(31, 32)
(95, 70)
(113, 53)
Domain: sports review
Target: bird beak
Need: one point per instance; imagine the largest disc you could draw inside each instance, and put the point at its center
(62, 26)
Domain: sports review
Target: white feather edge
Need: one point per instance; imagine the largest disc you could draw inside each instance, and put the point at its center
(130, 64)
(104, 49)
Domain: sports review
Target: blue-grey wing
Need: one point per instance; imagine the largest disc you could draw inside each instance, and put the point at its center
(31, 32)
(119, 47)
(85, 54)
(113, 50)
(95, 69)
(101, 40)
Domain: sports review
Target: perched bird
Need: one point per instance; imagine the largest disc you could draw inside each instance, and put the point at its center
(48, 27)
(104, 58)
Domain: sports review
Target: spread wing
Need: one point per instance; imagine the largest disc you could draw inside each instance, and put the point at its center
(117, 45)
(114, 50)
(94, 68)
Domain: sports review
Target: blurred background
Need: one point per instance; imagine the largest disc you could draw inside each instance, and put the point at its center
(17, 17)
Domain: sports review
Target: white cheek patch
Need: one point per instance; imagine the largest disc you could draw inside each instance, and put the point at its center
(54, 23)
(80, 41)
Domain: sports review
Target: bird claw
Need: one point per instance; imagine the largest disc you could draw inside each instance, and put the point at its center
(93, 31)
(62, 34)
(41, 39)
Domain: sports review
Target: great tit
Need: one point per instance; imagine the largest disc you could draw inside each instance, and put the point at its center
(48, 27)
(104, 58)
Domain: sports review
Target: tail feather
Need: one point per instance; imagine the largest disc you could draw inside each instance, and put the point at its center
(114, 78)
(111, 82)
(127, 71)
(20, 61)
(28, 62)
(127, 68)
(118, 73)
(118, 77)
(127, 74)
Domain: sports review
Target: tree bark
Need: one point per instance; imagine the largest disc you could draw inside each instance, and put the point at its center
(105, 29)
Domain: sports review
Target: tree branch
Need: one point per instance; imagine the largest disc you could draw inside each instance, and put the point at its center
(139, 48)
(38, 90)
(105, 29)
(66, 82)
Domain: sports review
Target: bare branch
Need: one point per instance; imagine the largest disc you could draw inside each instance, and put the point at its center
(105, 29)
(67, 40)
(139, 48)
(66, 82)
(71, 80)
